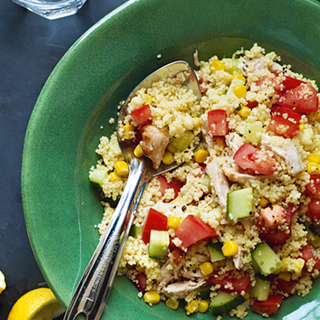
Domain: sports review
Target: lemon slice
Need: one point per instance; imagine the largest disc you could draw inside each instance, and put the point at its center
(2, 282)
(38, 304)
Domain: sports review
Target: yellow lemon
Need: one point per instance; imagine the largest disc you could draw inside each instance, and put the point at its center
(2, 282)
(38, 304)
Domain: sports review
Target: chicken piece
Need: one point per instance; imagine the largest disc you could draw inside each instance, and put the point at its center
(218, 181)
(181, 289)
(286, 150)
(238, 258)
(234, 142)
(272, 217)
(154, 143)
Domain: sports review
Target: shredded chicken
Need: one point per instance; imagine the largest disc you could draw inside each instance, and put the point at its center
(234, 142)
(181, 289)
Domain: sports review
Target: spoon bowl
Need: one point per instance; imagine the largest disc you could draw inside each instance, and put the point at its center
(94, 287)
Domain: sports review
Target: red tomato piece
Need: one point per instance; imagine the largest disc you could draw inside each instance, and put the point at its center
(286, 113)
(252, 104)
(313, 187)
(275, 237)
(142, 115)
(192, 229)
(164, 185)
(290, 83)
(217, 123)
(238, 283)
(285, 287)
(155, 220)
(308, 252)
(269, 306)
(283, 127)
(275, 83)
(302, 98)
(314, 209)
(140, 282)
(247, 157)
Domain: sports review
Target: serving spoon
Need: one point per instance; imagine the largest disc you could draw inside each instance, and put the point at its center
(95, 284)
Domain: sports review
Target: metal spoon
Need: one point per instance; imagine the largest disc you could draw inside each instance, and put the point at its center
(94, 287)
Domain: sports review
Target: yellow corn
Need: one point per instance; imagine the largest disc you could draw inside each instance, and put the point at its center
(243, 111)
(247, 295)
(206, 268)
(151, 297)
(240, 91)
(301, 126)
(201, 155)
(171, 148)
(284, 264)
(173, 304)
(217, 65)
(148, 98)
(138, 152)
(298, 265)
(285, 276)
(192, 306)
(114, 177)
(173, 222)
(263, 202)
(128, 131)
(239, 76)
(230, 248)
(314, 157)
(176, 200)
(121, 168)
(203, 306)
(313, 168)
(197, 125)
(168, 158)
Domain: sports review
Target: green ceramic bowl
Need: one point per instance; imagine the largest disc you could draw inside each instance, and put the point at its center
(100, 69)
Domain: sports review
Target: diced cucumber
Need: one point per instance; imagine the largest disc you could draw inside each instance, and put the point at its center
(215, 251)
(235, 82)
(255, 266)
(158, 244)
(206, 181)
(234, 68)
(204, 292)
(97, 176)
(261, 289)
(223, 302)
(183, 142)
(266, 259)
(239, 204)
(254, 132)
(135, 231)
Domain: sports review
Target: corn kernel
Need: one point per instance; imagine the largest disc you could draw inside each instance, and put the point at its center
(171, 148)
(301, 126)
(313, 168)
(138, 152)
(203, 306)
(128, 131)
(243, 111)
(121, 168)
(314, 157)
(230, 248)
(168, 158)
(197, 125)
(114, 177)
(284, 264)
(285, 276)
(263, 202)
(239, 76)
(192, 306)
(217, 65)
(201, 156)
(240, 91)
(173, 222)
(151, 297)
(206, 268)
(247, 295)
(148, 98)
(173, 304)
(298, 265)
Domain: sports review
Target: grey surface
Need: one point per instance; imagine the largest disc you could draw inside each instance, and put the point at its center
(30, 48)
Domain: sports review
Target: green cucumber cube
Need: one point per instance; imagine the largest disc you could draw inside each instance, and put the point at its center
(239, 204)
(158, 244)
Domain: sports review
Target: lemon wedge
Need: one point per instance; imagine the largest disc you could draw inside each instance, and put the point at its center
(38, 304)
(2, 282)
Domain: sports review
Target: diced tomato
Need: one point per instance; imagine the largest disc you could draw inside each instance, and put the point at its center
(275, 237)
(285, 287)
(307, 253)
(286, 113)
(283, 127)
(252, 104)
(142, 115)
(269, 306)
(314, 209)
(192, 229)
(140, 282)
(275, 82)
(164, 185)
(238, 282)
(155, 220)
(290, 83)
(247, 157)
(302, 98)
(217, 123)
(313, 187)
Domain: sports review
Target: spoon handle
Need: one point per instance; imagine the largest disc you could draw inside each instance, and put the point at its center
(94, 287)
